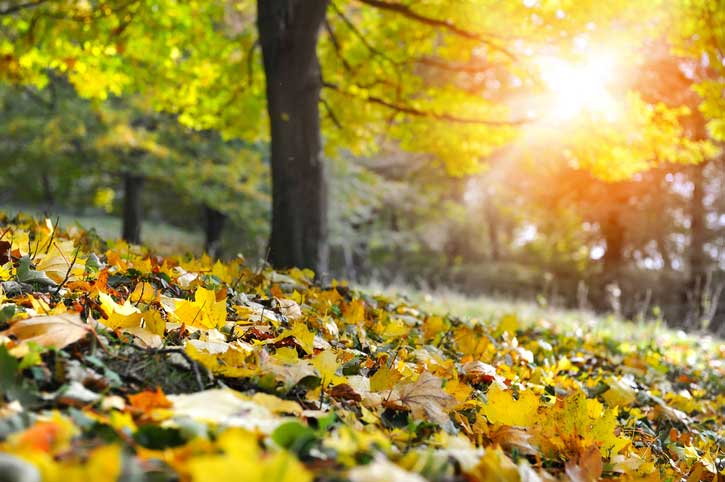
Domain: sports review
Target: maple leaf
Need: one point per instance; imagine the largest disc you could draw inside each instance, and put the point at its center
(148, 400)
(326, 364)
(495, 466)
(144, 292)
(204, 312)
(425, 398)
(119, 316)
(502, 408)
(586, 467)
(302, 335)
(59, 259)
(56, 331)
(384, 379)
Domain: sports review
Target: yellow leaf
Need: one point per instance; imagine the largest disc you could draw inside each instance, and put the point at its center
(509, 323)
(503, 409)
(154, 322)
(104, 463)
(119, 316)
(144, 292)
(495, 466)
(204, 312)
(241, 456)
(384, 379)
(59, 258)
(326, 364)
(304, 337)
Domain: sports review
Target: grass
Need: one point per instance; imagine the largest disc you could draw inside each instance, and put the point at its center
(577, 323)
(162, 238)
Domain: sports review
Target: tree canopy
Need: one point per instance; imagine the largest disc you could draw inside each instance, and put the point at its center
(460, 83)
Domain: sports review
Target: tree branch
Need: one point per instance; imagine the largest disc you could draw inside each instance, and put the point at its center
(410, 110)
(407, 12)
(20, 6)
(336, 45)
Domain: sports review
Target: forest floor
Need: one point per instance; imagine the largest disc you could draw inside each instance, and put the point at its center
(120, 364)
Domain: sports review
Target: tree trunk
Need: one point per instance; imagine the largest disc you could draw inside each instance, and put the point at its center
(493, 230)
(288, 32)
(132, 208)
(48, 195)
(213, 226)
(613, 233)
(698, 237)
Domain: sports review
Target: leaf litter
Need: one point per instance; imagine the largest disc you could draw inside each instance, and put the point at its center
(117, 364)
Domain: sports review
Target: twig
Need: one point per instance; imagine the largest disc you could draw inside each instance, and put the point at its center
(194, 364)
(67, 274)
(410, 14)
(52, 234)
(410, 110)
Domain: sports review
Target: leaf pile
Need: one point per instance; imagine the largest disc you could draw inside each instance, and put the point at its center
(116, 364)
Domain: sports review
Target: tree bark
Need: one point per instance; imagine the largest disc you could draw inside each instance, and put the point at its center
(288, 32)
(613, 233)
(493, 230)
(132, 208)
(698, 236)
(213, 226)
(48, 195)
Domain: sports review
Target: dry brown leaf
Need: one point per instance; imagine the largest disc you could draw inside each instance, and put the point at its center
(56, 331)
(425, 398)
(587, 467)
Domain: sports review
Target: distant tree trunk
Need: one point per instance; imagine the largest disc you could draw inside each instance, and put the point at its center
(288, 32)
(613, 233)
(213, 226)
(492, 223)
(664, 250)
(48, 195)
(132, 208)
(698, 237)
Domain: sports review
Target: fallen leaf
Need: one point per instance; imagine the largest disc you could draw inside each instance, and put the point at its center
(204, 312)
(119, 316)
(587, 467)
(56, 331)
(503, 408)
(425, 398)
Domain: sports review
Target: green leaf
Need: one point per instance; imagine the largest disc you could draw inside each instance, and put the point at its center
(294, 436)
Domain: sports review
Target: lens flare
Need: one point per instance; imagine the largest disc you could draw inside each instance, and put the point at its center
(576, 88)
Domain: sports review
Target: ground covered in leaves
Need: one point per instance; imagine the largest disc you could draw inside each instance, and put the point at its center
(116, 364)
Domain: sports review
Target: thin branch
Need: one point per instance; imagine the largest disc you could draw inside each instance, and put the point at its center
(465, 68)
(331, 113)
(21, 6)
(410, 110)
(407, 12)
(336, 45)
(67, 274)
(373, 50)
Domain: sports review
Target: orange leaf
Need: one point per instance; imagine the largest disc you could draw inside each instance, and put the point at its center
(148, 400)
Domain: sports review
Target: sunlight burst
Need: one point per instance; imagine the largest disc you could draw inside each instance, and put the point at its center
(579, 87)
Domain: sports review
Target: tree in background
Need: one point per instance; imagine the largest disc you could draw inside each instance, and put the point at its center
(388, 70)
